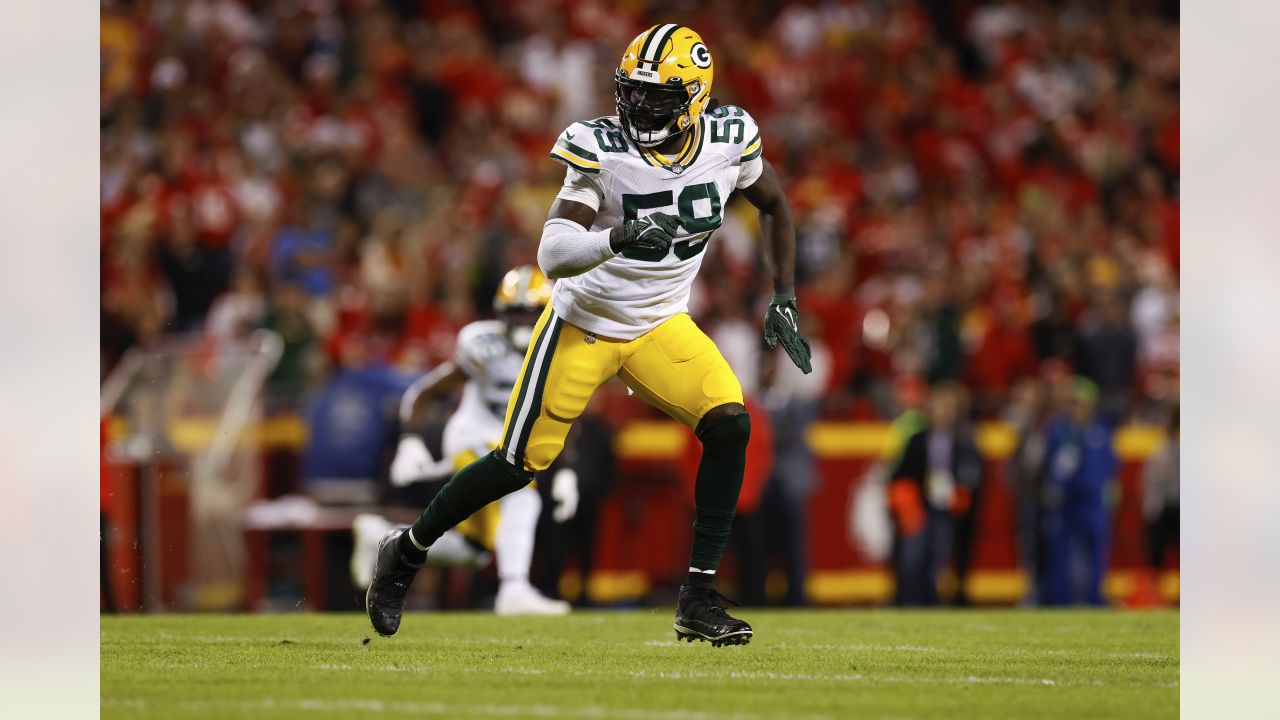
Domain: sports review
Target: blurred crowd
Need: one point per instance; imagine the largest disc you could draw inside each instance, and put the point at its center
(984, 193)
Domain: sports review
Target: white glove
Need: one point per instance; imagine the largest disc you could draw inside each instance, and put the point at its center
(564, 490)
(413, 463)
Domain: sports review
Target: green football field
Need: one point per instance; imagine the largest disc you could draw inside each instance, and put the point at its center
(802, 664)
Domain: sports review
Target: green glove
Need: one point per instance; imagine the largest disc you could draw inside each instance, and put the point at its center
(647, 238)
(782, 322)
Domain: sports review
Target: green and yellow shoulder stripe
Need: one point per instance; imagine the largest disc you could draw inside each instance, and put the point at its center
(753, 148)
(576, 147)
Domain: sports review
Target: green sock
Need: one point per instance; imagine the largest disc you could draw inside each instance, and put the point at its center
(470, 489)
(724, 459)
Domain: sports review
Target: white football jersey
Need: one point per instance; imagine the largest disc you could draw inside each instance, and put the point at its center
(492, 365)
(630, 294)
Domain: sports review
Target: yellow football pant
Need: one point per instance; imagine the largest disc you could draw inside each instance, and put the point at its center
(675, 367)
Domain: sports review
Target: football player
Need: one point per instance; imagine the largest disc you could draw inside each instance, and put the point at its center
(486, 365)
(642, 197)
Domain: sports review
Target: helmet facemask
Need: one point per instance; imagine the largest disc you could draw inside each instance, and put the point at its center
(519, 302)
(650, 112)
(519, 322)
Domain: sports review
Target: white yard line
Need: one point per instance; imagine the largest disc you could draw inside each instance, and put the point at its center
(436, 708)
(778, 677)
(697, 675)
(888, 679)
(853, 677)
(924, 649)
(862, 647)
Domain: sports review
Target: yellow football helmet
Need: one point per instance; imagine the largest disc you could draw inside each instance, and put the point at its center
(664, 83)
(523, 288)
(521, 297)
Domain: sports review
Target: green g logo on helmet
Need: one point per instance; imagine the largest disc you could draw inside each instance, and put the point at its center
(701, 55)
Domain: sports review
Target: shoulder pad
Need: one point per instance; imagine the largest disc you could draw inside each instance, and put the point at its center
(734, 132)
(475, 330)
(585, 144)
(477, 345)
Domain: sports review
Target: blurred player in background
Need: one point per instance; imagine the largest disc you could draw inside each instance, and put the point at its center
(486, 366)
(642, 195)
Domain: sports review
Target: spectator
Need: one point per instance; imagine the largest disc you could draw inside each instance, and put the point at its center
(287, 317)
(932, 497)
(1080, 467)
(563, 67)
(1154, 312)
(1160, 492)
(303, 255)
(1053, 333)
(240, 309)
(1110, 353)
(1028, 415)
(1002, 356)
(189, 271)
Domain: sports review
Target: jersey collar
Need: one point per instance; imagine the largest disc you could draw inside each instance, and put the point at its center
(683, 160)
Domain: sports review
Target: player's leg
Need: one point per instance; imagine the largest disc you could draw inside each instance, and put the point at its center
(508, 527)
(724, 431)
(678, 369)
(517, 527)
(460, 547)
(453, 549)
(561, 371)
(471, 433)
(535, 432)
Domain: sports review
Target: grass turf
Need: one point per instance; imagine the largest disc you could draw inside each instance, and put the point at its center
(802, 664)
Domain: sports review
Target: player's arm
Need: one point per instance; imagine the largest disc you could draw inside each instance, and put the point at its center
(776, 227)
(782, 319)
(413, 461)
(568, 246)
(446, 379)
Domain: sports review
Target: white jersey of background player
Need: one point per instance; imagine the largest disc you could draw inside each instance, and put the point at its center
(487, 361)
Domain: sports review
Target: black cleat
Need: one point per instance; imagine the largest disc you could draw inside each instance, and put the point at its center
(392, 576)
(700, 615)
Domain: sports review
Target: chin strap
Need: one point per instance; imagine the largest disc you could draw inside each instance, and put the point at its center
(678, 164)
(633, 133)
